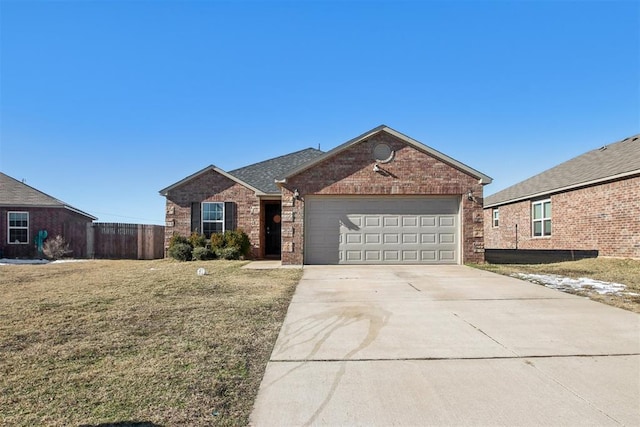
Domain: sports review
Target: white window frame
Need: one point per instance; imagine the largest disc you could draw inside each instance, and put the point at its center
(10, 227)
(495, 217)
(202, 220)
(542, 219)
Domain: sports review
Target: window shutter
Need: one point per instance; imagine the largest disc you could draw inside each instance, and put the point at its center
(229, 216)
(195, 217)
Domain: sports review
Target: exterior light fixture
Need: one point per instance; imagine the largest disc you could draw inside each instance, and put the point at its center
(296, 194)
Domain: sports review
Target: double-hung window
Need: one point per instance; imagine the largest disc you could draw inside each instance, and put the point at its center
(212, 218)
(541, 218)
(18, 227)
(496, 217)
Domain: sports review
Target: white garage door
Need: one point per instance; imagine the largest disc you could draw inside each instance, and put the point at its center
(391, 230)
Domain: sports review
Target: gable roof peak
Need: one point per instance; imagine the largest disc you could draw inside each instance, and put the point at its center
(484, 179)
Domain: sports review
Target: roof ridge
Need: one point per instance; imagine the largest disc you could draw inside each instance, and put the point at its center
(574, 172)
(274, 158)
(34, 189)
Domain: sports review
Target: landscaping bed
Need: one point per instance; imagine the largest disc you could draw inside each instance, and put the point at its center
(101, 342)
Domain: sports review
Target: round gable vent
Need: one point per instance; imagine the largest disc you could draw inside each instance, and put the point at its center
(383, 153)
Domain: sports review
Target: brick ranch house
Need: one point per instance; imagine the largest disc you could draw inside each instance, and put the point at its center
(591, 202)
(24, 211)
(381, 197)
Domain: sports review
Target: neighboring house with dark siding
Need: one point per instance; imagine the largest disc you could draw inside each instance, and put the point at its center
(24, 211)
(381, 197)
(591, 202)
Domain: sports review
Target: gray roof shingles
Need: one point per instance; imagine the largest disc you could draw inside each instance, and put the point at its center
(609, 161)
(14, 193)
(262, 175)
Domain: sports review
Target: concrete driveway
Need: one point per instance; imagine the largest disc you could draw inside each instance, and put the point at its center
(447, 345)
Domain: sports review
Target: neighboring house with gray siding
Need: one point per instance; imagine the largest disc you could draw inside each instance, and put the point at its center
(591, 202)
(381, 197)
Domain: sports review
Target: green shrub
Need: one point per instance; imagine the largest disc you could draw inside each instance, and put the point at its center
(216, 241)
(238, 239)
(176, 238)
(200, 253)
(180, 251)
(197, 240)
(229, 252)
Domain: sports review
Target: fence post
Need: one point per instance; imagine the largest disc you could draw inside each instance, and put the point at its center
(90, 240)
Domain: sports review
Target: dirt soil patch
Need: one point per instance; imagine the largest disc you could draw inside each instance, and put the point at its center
(612, 271)
(107, 342)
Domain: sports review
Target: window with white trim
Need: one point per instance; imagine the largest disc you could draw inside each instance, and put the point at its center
(496, 217)
(18, 227)
(212, 218)
(541, 218)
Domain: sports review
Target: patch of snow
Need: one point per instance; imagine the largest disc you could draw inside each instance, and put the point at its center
(562, 283)
(8, 261)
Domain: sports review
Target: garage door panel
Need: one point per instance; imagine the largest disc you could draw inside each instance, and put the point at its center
(447, 238)
(447, 221)
(409, 238)
(390, 238)
(428, 221)
(362, 230)
(410, 256)
(427, 255)
(353, 238)
(447, 255)
(372, 221)
(391, 221)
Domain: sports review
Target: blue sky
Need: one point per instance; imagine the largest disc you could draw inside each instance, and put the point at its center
(104, 103)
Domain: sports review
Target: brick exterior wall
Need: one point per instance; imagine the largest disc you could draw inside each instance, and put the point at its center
(56, 221)
(412, 172)
(604, 217)
(213, 187)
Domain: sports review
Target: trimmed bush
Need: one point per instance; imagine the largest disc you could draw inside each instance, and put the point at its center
(180, 251)
(201, 253)
(238, 239)
(176, 238)
(216, 241)
(229, 252)
(197, 240)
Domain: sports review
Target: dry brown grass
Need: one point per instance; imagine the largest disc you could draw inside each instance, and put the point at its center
(625, 271)
(136, 341)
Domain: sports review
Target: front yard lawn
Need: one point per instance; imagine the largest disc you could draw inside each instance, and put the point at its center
(623, 271)
(101, 342)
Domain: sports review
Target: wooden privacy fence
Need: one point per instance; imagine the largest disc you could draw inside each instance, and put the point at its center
(125, 241)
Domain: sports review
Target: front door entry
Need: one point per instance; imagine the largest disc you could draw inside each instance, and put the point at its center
(272, 222)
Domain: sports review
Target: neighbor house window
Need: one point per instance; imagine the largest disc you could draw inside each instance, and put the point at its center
(212, 218)
(18, 227)
(541, 214)
(496, 217)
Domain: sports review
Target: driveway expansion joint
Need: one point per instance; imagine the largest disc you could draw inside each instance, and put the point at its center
(427, 359)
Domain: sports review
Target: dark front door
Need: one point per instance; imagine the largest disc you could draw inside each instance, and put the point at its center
(272, 222)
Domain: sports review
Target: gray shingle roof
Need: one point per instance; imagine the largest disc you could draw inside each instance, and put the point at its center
(611, 161)
(14, 193)
(262, 175)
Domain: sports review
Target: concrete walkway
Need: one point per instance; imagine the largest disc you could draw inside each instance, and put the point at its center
(447, 345)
